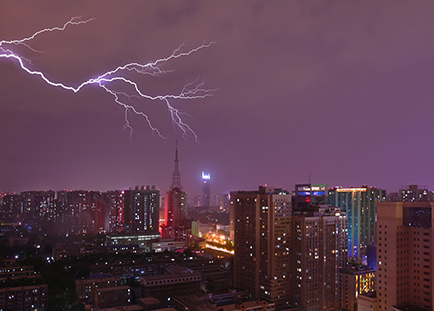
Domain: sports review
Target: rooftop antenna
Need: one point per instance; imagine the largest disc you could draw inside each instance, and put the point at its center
(176, 177)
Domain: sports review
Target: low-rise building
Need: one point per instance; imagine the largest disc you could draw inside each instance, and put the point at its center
(112, 296)
(86, 287)
(24, 298)
(168, 244)
(136, 271)
(175, 280)
(150, 303)
(141, 238)
(197, 303)
(353, 282)
(11, 275)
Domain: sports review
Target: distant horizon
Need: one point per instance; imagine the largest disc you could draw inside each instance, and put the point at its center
(403, 187)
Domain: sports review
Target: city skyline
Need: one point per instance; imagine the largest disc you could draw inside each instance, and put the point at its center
(339, 93)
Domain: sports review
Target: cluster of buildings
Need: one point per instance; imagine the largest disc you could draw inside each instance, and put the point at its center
(28, 297)
(314, 248)
(139, 214)
(339, 248)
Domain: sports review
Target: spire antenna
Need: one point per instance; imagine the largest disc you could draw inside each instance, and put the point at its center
(176, 176)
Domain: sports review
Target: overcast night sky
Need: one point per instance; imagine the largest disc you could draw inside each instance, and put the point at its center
(341, 90)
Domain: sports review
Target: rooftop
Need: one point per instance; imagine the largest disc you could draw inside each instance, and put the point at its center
(100, 276)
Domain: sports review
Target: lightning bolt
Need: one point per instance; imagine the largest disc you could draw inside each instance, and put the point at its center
(192, 90)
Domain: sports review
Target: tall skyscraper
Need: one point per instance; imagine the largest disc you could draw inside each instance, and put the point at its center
(142, 206)
(262, 244)
(175, 205)
(206, 194)
(360, 205)
(317, 253)
(404, 259)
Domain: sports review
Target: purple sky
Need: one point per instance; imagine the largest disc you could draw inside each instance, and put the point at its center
(341, 90)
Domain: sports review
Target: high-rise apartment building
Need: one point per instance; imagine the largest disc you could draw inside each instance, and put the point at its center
(205, 198)
(11, 206)
(360, 205)
(317, 254)
(115, 211)
(404, 256)
(36, 203)
(83, 211)
(142, 207)
(92, 217)
(262, 244)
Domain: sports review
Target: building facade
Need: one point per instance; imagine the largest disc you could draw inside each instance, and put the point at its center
(309, 194)
(404, 255)
(353, 282)
(288, 257)
(24, 298)
(262, 262)
(360, 205)
(175, 215)
(317, 256)
(109, 297)
(142, 207)
(174, 280)
(411, 193)
(114, 221)
(85, 287)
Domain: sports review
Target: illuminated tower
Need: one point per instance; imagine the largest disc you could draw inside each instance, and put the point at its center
(205, 198)
(175, 202)
(176, 176)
